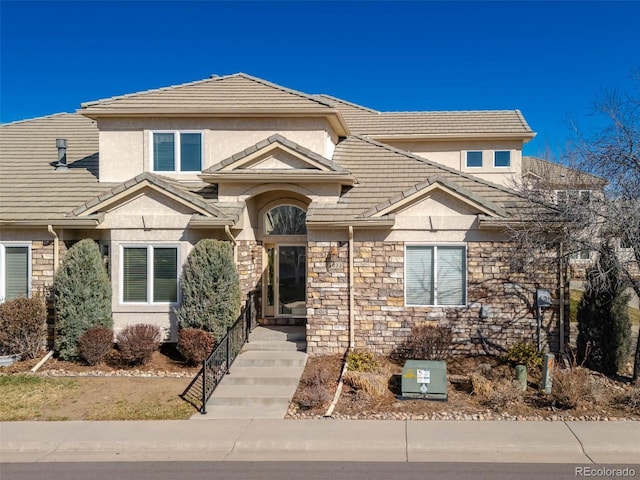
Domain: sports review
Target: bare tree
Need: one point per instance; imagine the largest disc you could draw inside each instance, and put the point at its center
(594, 197)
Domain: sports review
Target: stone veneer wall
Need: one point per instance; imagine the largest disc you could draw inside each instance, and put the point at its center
(249, 264)
(382, 322)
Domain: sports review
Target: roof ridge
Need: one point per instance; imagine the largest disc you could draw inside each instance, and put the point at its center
(522, 120)
(435, 164)
(154, 90)
(38, 118)
(346, 102)
(458, 111)
(282, 88)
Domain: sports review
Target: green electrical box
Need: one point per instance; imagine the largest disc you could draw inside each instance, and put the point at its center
(424, 379)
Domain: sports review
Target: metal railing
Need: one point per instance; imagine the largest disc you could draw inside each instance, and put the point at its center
(218, 364)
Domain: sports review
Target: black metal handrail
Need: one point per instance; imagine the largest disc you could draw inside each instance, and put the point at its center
(218, 364)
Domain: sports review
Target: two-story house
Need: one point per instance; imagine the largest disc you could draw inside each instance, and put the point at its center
(356, 222)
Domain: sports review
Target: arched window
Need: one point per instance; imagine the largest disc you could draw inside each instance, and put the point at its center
(285, 220)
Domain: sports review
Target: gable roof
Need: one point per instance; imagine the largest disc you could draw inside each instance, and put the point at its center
(437, 125)
(31, 189)
(386, 175)
(557, 176)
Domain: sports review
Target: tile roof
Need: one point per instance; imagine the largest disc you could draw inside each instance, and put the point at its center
(31, 188)
(365, 121)
(561, 177)
(384, 172)
(232, 92)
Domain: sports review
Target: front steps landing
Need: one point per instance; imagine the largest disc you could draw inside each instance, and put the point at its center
(263, 378)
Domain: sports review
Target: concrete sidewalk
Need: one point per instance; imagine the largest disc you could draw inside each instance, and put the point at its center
(322, 440)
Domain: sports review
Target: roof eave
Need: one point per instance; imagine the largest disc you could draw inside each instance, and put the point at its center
(371, 224)
(92, 221)
(265, 177)
(524, 136)
(208, 222)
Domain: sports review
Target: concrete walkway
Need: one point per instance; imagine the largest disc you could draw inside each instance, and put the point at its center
(322, 440)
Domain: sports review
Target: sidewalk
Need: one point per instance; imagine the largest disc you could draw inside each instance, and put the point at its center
(322, 440)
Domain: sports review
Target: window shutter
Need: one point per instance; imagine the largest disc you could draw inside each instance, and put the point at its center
(165, 274)
(134, 275)
(451, 273)
(419, 275)
(190, 152)
(163, 152)
(16, 272)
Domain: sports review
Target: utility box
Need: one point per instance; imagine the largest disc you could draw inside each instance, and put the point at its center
(425, 379)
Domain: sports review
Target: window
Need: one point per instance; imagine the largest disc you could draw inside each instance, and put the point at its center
(474, 159)
(15, 271)
(435, 275)
(285, 220)
(581, 255)
(502, 158)
(177, 151)
(566, 198)
(149, 274)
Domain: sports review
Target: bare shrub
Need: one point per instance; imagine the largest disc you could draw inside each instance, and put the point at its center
(481, 386)
(137, 343)
(505, 394)
(23, 326)
(95, 344)
(372, 383)
(315, 394)
(573, 388)
(195, 345)
(428, 342)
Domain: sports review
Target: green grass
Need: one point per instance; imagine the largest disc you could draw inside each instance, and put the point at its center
(576, 295)
(24, 397)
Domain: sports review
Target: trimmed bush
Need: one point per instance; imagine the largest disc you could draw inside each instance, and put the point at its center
(210, 288)
(604, 339)
(138, 342)
(427, 342)
(23, 326)
(95, 344)
(195, 345)
(83, 297)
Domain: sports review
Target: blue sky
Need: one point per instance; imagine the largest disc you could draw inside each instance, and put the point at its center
(549, 59)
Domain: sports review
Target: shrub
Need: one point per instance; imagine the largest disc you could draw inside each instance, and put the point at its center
(368, 382)
(361, 361)
(315, 394)
(95, 344)
(604, 339)
(427, 342)
(524, 353)
(572, 388)
(83, 297)
(195, 345)
(137, 343)
(23, 326)
(210, 288)
(481, 386)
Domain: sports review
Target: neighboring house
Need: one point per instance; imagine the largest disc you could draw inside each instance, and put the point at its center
(356, 222)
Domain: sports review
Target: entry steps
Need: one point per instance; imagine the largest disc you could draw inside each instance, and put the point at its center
(263, 377)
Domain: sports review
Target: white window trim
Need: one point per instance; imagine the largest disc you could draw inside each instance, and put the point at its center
(176, 150)
(150, 247)
(435, 269)
(3, 245)
(466, 159)
(502, 166)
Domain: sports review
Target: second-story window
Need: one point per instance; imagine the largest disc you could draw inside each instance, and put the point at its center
(474, 159)
(502, 158)
(177, 151)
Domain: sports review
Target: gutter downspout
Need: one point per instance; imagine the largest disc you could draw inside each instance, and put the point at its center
(227, 230)
(352, 334)
(56, 249)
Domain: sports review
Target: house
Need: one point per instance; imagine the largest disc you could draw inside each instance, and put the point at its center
(355, 222)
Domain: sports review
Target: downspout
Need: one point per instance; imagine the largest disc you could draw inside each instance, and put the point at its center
(227, 230)
(352, 333)
(56, 249)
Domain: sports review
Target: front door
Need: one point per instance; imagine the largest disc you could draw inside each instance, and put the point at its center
(286, 282)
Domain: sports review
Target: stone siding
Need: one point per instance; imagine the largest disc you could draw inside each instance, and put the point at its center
(383, 322)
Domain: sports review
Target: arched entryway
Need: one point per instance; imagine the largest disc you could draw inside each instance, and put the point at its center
(285, 282)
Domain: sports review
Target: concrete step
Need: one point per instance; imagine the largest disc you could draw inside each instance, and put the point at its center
(263, 376)
(279, 333)
(256, 358)
(252, 395)
(271, 345)
(235, 412)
